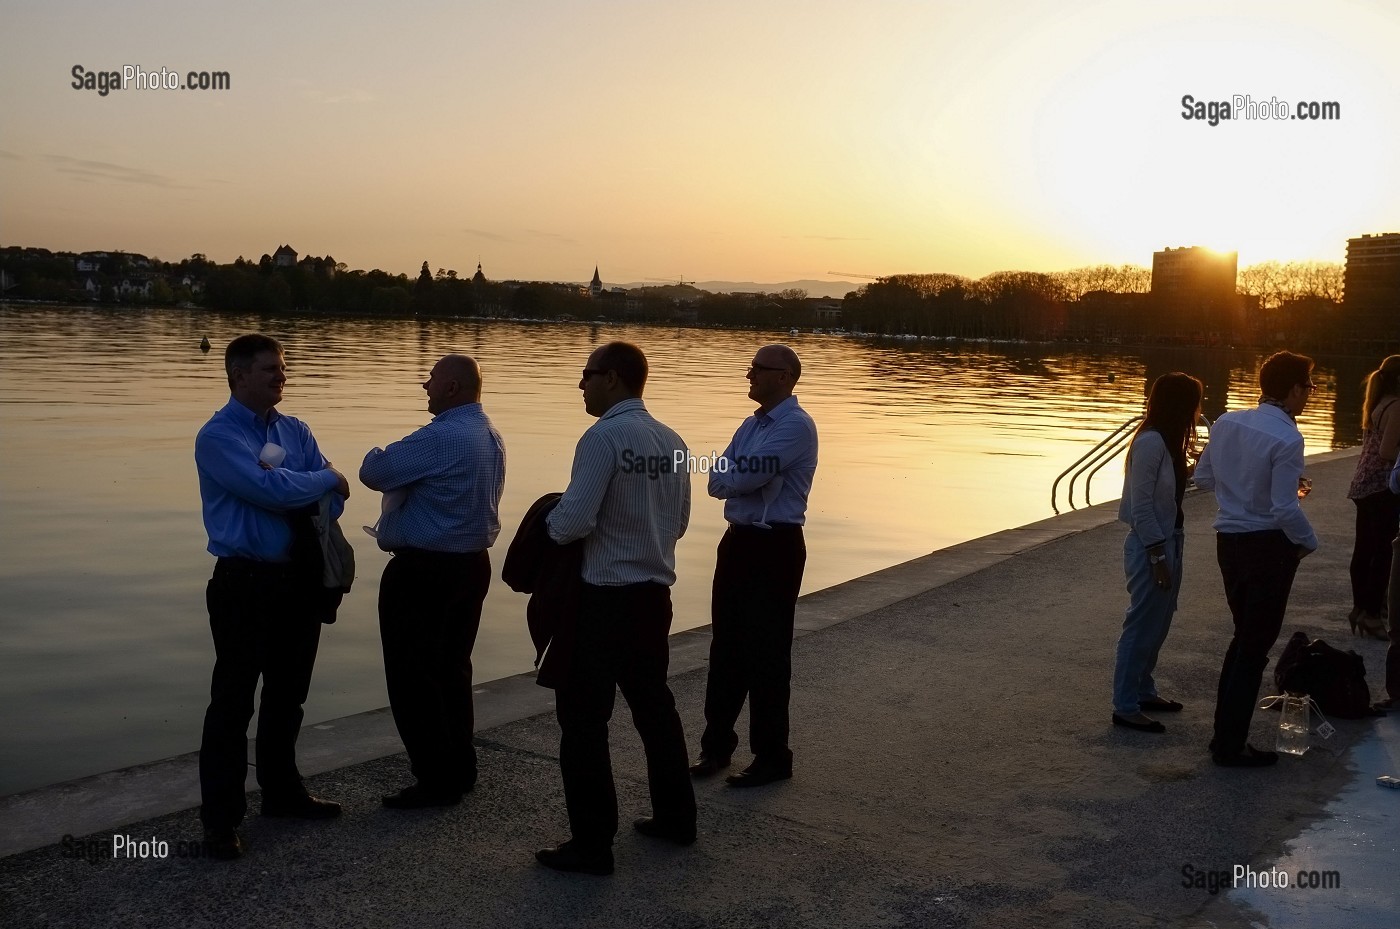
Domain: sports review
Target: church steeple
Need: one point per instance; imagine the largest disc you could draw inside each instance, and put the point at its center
(595, 287)
(478, 277)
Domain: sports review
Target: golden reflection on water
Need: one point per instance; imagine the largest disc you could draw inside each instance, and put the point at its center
(104, 649)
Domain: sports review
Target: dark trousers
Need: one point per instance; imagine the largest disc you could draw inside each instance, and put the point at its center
(1377, 518)
(1258, 570)
(429, 614)
(758, 573)
(263, 627)
(621, 642)
(1392, 654)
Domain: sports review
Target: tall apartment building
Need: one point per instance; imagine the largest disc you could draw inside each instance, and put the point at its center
(1371, 294)
(1194, 272)
(1194, 288)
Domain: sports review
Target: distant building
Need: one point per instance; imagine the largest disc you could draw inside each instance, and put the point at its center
(478, 277)
(595, 286)
(825, 310)
(285, 257)
(1195, 288)
(1371, 286)
(1194, 272)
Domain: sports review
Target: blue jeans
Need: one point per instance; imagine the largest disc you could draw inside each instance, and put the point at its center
(1146, 623)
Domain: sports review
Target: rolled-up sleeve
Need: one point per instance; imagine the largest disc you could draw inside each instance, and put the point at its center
(1283, 496)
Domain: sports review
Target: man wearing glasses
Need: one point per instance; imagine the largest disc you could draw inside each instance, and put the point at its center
(629, 519)
(764, 478)
(1254, 464)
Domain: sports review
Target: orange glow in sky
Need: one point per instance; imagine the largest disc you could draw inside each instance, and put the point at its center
(764, 141)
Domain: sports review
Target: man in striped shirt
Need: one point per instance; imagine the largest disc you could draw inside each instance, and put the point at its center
(629, 503)
(452, 472)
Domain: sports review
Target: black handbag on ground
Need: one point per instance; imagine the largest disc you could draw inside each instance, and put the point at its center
(1332, 677)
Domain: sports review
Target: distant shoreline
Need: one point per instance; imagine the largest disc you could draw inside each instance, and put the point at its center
(903, 338)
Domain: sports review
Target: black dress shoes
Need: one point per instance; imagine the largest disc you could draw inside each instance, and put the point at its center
(708, 765)
(1151, 725)
(302, 807)
(417, 797)
(222, 844)
(575, 860)
(758, 774)
(656, 829)
(1248, 757)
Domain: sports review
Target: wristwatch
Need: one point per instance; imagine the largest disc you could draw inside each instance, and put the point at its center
(1156, 559)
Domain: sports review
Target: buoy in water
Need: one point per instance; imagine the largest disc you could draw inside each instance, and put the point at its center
(204, 344)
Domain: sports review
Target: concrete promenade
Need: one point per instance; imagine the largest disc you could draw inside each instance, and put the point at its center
(955, 766)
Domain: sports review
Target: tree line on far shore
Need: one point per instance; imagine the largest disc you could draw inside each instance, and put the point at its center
(1297, 303)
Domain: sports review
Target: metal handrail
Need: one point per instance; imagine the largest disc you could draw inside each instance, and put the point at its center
(1108, 448)
(1094, 460)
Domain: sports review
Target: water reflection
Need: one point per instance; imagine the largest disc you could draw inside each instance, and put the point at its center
(104, 648)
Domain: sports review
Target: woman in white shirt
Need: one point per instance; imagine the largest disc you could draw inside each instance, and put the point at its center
(1160, 461)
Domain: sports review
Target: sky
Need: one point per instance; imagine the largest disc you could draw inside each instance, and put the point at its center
(744, 141)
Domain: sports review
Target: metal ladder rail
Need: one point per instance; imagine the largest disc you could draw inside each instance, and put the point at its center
(1122, 439)
(1117, 440)
(1204, 419)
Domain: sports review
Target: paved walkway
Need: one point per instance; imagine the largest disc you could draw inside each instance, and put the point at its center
(955, 767)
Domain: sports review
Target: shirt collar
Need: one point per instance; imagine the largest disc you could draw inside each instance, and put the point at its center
(460, 410)
(237, 408)
(778, 412)
(625, 406)
(1269, 403)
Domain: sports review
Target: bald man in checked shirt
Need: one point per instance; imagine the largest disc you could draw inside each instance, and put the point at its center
(453, 472)
(629, 505)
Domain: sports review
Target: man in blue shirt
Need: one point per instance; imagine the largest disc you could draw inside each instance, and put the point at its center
(256, 466)
(764, 478)
(452, 472)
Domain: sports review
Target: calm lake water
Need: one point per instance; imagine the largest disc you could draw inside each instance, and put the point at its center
(104, 643)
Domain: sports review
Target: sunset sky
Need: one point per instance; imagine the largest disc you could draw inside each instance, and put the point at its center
(754, 140)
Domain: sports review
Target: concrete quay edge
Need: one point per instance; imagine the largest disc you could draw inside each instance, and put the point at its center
(102, 802)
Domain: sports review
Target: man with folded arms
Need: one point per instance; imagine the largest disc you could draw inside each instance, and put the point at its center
(1254, 464)
(451, 473)
(260, 605)
(629, 505)
(764, 479)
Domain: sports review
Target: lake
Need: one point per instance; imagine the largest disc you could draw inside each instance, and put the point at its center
(105, 651)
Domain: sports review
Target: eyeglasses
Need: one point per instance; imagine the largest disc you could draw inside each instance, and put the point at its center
(758, 367)
(589, 372)
(1310, 385)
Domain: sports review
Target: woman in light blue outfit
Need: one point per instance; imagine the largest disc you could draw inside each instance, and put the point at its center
(1160, 461)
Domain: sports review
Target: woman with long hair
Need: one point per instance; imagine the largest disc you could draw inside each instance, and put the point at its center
(1160, 460)
(1377, 509)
